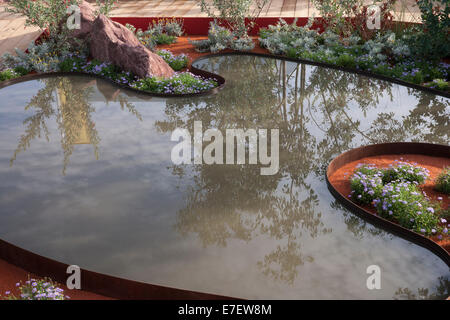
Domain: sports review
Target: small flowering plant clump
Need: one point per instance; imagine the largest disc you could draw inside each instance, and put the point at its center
(8, 74)
(175, 62)
(394, 192)
(43, 289)
(403, 202)
(443, 181)
(405, 171)
(180, 83)
(366, 184)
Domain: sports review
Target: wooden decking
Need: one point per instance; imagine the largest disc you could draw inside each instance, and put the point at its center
(13, 32)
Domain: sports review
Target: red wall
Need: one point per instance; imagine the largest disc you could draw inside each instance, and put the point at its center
(199, 26)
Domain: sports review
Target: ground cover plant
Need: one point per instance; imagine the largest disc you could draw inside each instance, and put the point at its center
(396, 195)
(43, 289)
(161, 31)
(184, 82)
(175, 62)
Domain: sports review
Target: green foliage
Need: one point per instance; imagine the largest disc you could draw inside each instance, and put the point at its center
(170, 26)
(219, 38)
(346, 60)
(386, 53)
(8, 74)
(405, 172)
(443, 181)
(164, 39)
(439, 84)
(236, 15)
(431, 40)
(181, 83)
(41, 58)
(402, 201)
(366, 184)
(104, 6)
(242, 44)
(175, 62)
(51, 16)
(161, 31)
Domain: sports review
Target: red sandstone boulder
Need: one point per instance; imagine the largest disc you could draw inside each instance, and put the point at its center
(113, 42)
(87, 17)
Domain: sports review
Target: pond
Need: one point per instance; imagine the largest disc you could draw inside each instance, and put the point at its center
(86, 178)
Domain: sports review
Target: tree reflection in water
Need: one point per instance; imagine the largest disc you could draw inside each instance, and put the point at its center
(228, 202)
(68, 101)
(441, 292)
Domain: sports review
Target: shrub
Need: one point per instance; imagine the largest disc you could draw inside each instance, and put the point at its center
(242, 44)
(180, 83)
(405, 172)
(173, 27)
(51, 15)
(164, 39)
(346, 60)
(236, 15)
(402, 201)
(41, 58)
(430, 41)
(282, 37)
(43, 289)
(175, 62)
(366, 184)
(443, 181)
(219, 38)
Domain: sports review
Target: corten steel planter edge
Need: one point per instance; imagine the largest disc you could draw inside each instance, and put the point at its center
(95, 282)
(395, 148)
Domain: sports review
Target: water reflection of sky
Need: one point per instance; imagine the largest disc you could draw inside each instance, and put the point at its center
(222, 230)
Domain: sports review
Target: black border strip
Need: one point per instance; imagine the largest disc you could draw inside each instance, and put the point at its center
(397, 148)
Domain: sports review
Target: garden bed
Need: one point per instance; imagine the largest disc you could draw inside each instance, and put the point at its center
(183, 46)
(433, 158)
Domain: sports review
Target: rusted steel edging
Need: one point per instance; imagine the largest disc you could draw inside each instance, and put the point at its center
(94, 282)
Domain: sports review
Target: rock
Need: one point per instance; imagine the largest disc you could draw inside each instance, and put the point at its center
(87, 17)
(112, 42)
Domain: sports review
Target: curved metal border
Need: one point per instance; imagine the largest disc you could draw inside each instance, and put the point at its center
(328, 65)
(198, 72)
(428, 149)
(222, 81)
(99, 283)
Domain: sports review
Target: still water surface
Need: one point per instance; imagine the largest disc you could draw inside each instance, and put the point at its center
(86, 178)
